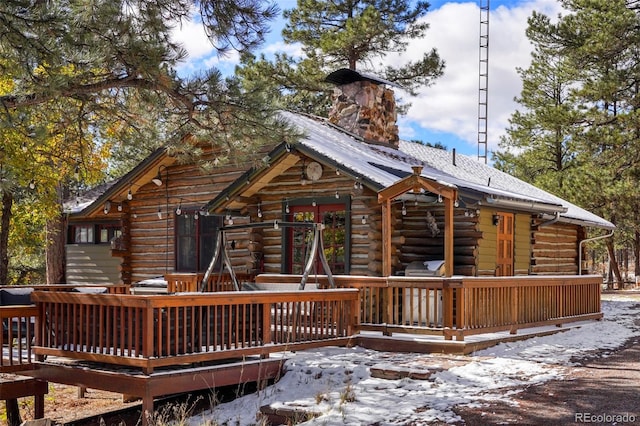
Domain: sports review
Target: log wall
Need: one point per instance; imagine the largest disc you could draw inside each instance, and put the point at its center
(421, 231)
(152, 239)
(288, 188)
(555, 249)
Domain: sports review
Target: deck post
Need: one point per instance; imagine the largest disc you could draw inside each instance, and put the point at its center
(266, 324)
(514, 310)
(147, 337)
(388, 311)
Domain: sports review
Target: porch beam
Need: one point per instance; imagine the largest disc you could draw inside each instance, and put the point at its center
(448, 236)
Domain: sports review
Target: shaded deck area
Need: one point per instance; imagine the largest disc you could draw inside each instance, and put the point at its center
(149, 346)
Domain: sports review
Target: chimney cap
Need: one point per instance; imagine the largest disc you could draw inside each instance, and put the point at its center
(347, 76)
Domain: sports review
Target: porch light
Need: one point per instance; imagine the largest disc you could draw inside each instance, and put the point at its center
(159, 213)
(179, 209)
(337, 195)
(364, 220)
(286, 208)
(119, 207)
(439, 198)
(158, 179)
(107, 207)
(404, 209)
(276, 225)
(495, 219)
(259, 210)
(129, 195)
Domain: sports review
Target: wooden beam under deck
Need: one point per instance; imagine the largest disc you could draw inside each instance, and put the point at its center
(162, 382)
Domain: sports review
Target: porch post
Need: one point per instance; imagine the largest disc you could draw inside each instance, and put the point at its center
(386, 238)
(448, 236)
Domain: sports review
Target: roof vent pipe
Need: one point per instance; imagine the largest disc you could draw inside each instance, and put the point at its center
(453, 155)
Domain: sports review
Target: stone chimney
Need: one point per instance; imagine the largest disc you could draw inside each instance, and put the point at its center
(363, 105)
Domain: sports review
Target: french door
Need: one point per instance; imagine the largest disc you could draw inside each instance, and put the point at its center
(334, 238)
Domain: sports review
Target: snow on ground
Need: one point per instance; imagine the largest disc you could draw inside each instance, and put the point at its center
(336, 383)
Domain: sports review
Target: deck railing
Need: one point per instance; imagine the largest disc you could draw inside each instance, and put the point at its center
(483, 305)
(19, 323)
(161, 330)
(153, 331)
(189, 282)
(462, 306)
(18, 329)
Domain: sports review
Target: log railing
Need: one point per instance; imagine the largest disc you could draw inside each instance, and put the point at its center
(161, 330)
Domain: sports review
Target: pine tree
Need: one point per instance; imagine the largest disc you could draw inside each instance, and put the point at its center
(352, 34)
(592, 137)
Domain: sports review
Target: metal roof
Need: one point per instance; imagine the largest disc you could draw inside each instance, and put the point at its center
(380, 166)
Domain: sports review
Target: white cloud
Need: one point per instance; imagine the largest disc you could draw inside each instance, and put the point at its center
(451, 104)
(293, 50)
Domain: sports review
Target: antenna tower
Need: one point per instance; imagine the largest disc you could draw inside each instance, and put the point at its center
(483, 82)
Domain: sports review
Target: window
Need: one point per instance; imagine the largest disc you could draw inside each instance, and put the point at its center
(81, 234)
(195, 241)
(334, 237)
(102, 233)
(106, 233)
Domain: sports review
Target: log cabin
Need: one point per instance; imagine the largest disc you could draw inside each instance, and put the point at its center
(419, 240)
(389, 207)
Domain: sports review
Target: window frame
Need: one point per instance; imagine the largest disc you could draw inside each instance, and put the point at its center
(286, 264)
(198, 235)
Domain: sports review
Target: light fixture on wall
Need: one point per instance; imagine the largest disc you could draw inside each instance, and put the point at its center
(495, 219)
(107, 207)
(179, 209)
(159, 213)
(259, 210)
(158, 179)
(129, 194)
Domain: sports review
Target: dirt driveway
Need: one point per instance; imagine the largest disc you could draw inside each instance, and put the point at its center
(603, 390)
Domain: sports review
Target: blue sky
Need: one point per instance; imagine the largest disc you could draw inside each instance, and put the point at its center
(447, 111)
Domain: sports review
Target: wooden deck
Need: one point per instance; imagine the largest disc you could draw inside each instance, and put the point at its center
(151, 345)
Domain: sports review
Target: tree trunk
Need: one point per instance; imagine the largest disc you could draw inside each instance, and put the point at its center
(613, 263)
(55, 249)
(13, 412)
(636, 254)
(7, 203)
